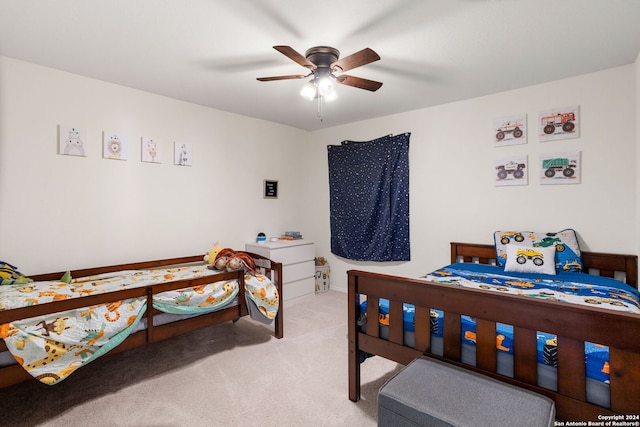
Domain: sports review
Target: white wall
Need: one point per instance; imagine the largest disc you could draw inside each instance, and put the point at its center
(62, 212)
(452, 194)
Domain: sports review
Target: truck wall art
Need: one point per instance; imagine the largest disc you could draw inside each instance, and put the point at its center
(510, 130)
(560, 168)
(559, 123)
(511, 171)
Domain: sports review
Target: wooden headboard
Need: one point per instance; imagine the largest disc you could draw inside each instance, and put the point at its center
(603, 264)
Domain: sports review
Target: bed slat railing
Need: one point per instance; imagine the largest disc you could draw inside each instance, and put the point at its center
(625, 381)
(422, 320)
(572, 380)
(396, 329)
(525, 356)
(486, 355)
(452, 346)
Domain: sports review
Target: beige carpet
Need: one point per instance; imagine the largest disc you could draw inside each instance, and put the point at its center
(226, 375)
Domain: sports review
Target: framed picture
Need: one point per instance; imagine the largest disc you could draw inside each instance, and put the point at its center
(114, 146)
(270, 189)
(182, 154)
(510, 130)
(511, 171)
(559, 123)
(72, 141)
(560, 168)
(151, 150)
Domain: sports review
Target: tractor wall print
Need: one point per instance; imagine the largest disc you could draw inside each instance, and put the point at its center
(559, 123)
(560, 168)
(510, 130)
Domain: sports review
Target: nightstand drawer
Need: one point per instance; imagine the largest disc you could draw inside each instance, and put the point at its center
(293, 254)
(297, 271)
(298, 288)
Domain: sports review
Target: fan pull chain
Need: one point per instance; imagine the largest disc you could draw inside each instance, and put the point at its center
(320, 108)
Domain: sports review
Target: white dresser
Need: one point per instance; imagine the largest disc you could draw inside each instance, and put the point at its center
(298, 264)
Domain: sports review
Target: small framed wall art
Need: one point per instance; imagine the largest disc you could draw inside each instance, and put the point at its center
(114, 146)
(559, 123)
(270, 189)
(560, 168)
(72, 141)
(510, 130)
(511, 171)
(182, 154)
(151, 150)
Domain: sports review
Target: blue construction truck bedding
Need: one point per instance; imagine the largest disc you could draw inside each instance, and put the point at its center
(570, 287)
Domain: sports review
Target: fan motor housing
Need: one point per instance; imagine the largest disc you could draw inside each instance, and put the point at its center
(322, 56)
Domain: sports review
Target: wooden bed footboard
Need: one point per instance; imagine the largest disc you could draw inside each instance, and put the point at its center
(573, 325)
(14, 374)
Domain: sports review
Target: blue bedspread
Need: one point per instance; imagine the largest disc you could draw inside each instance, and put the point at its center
(575, 288)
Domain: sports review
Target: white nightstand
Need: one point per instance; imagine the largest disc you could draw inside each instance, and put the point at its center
(298, 264)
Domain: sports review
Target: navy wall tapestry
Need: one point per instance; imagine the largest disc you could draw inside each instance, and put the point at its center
(369, 199)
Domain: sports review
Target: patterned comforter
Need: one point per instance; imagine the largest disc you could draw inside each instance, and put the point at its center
(51, 347)
(575, 288)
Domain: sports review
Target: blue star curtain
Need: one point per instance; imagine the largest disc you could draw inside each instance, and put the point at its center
(369, 199)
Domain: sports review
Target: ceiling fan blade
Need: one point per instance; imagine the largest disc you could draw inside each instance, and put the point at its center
(294, 76)
(292, 54)
(358, 59)
(358, 82)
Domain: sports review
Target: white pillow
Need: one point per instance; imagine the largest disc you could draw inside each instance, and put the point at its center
(527, 259)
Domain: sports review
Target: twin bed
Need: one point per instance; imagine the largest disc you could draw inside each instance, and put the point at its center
(52, 324)
(586, 357)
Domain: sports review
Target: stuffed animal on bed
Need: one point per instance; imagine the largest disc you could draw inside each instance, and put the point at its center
(9, 275)
(210, 258)
(230, 260)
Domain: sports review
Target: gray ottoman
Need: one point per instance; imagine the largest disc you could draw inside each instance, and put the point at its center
(428, 392)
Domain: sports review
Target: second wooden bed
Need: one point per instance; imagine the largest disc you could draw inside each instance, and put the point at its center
(573, 324)
(14, 374)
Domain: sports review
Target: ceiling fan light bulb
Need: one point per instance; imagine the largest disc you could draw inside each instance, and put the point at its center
(308, 91)
(330, 94)
(324, 85)
(326, 90)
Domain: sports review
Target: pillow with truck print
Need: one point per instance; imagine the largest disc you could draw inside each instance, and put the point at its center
(568, 256)
(526, 259)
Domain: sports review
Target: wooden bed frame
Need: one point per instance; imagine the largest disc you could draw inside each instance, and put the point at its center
(573, 324)
(14, 374)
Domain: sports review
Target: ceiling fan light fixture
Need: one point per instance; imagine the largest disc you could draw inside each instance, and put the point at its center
(323, 62)
(326, 89)
(309, 90)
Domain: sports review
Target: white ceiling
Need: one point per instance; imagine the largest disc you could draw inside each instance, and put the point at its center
(210, 52)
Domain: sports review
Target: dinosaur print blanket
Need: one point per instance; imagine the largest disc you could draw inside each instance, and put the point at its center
(51, 347)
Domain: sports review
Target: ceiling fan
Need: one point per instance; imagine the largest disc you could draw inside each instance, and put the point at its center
(323, 62)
